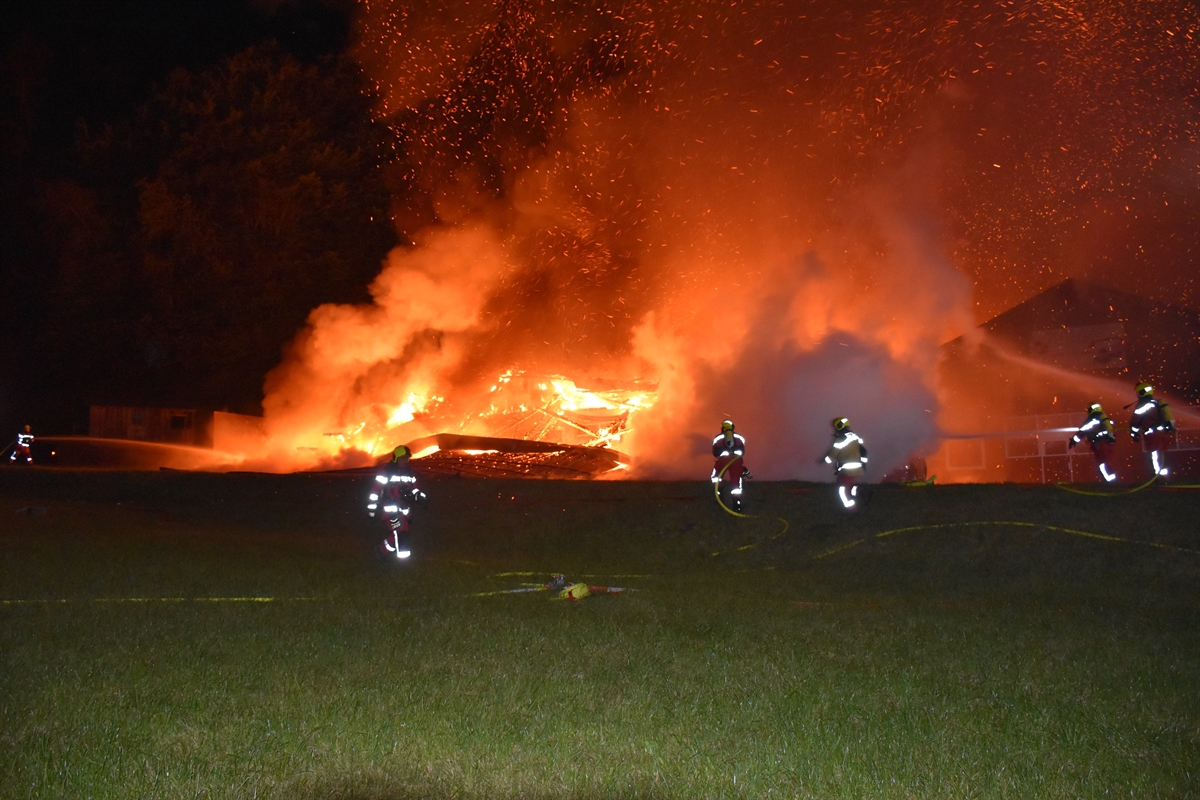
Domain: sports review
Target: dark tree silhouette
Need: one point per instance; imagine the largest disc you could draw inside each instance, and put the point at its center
(258, 196)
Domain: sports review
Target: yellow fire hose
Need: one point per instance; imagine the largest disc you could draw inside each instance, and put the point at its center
(68, 600)
(1006, 523)
(1068, 488)
(739, 515)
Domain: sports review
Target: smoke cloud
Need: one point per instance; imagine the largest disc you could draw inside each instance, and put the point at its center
(742, 205)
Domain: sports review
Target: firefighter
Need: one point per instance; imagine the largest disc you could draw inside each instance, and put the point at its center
(23, 449)
(1097, 429)
(1152, 420)
(392, 497)
(848, 454)
(729, 471)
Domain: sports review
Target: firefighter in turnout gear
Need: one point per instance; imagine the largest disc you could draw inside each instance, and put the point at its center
(729, 470)
(23, 449)
(392, 498)
(848, 454)
(1152, 422)
(1097, 429)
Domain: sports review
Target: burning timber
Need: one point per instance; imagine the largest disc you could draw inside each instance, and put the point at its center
(549, 409)
(491, 457)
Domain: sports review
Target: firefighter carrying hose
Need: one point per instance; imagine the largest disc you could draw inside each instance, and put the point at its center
(392, 498)
(729, 471)
(1152, 420)
(1097, 429)
(848, 454)
(23, 448)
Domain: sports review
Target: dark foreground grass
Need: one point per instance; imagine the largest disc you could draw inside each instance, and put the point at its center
(973, 661)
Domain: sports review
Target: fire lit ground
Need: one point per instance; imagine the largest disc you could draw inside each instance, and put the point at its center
(170, 634)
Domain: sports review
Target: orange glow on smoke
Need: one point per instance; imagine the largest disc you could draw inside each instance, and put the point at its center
(626, 221)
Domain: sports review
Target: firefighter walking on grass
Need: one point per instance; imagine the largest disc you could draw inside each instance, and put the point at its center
(22, 448)
(729, 470)
(848, 454)
(1097, 429)
(392, 498)
(1154, 423)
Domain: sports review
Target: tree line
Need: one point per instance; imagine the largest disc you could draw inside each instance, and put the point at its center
(188, 243)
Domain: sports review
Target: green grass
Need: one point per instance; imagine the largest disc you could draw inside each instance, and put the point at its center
(976, 661)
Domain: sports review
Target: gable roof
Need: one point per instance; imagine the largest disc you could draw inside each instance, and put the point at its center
(1075, 303)
(1092, 328)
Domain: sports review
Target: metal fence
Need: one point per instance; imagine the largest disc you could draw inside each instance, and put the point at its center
(1046, 438)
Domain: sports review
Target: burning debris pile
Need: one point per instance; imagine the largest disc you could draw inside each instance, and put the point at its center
(545, 427)
(490, 457)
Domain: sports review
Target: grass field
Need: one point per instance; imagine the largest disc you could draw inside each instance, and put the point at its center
(946, 662)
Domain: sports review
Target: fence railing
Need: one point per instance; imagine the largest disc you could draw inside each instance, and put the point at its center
(1047, 436)
(1043, 436)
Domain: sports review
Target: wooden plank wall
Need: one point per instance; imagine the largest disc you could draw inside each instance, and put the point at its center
(186, 426)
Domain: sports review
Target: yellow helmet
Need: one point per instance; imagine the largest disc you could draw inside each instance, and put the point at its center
(1144, 390)
(1094, 407)
(841, 423)
(727, 425)
(401, 452)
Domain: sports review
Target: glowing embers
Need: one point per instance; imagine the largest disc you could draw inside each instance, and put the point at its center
(487, 457)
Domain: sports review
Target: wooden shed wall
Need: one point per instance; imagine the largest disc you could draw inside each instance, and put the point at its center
(174, 425)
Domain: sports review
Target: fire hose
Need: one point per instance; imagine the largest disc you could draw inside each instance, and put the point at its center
(739, 515)
(999, 523)
(1067, 488)
(561, 587)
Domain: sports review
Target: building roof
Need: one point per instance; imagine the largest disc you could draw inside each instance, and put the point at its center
(1095, 329)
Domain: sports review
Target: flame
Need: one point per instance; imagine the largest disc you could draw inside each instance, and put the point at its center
(552, 408)
(410, 408)
(573, 398)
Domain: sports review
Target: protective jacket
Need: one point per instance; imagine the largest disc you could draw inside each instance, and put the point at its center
(729, 466)
(394, 491)
(848, 453)
(1151, 416)
(734, 446)
(1096, 428)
